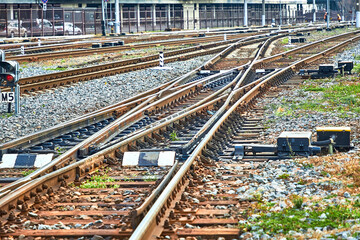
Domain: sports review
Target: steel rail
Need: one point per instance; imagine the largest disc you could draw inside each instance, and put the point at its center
(71, 154)
(304, 47)
(35, 174)
(82, 52)
(118, 125)
(47, 81)
(96, 159)
(149, 222)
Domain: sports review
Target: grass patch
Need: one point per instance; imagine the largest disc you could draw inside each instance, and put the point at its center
(285, 41)
(297, 201)
(314, 89)
(284, 176)
(293, 219)
(173, 136)
(341, 98)
(307, 165)
(27, 172)
(99, 181)
(56, 69)
(6, 115)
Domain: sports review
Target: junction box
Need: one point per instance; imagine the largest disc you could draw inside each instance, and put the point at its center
(345, 66)
(295, 143)
(340, 135)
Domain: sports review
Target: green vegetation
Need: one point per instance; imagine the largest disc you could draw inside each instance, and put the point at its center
(60, 150)
(6, 115)
(150, 178)
(99, 181)
(56, 69)
(293, 219)
(285, 41)
(356, 67)
(173, 136)
(27, 172)
(257, 196)
(308, 165)
(284, 176)
(297, 201)
(301, 182)
(340, 98)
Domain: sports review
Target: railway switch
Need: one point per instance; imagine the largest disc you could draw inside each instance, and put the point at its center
(291, 144)
(328, 70)
(325, 70)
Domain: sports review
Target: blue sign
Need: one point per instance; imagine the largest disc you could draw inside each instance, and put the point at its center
(44, 1)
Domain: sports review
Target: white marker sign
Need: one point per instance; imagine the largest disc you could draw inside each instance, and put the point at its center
(7, 97)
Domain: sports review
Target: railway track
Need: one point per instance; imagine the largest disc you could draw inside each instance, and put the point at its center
(32, 45)
(43, 82)
(84, 52)
(176, 214)
(48, 81)
(131, 44)
(205, 123)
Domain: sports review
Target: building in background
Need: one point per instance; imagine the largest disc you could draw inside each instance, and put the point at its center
(62, 17)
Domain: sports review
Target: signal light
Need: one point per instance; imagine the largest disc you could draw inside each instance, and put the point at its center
(9, 78)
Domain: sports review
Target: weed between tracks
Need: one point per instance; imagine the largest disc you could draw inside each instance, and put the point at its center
(99, 181)
(27, 172)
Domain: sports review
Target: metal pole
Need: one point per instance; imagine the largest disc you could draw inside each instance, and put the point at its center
(314, 9)
(280, 23)
(117, 17)
(358, 14)
(103, 18)
(245, 14)
(17, 99)
(263, 14)
(328, 14)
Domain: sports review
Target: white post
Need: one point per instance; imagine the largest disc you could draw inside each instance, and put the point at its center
(17, 99)
(328, 14)
(22, 50)
(314, 9)
(103, 17)
(245, 14)
(153, 10)
(358, 19)
(117, 17)
(263, 14)
(121, 18)
(225, 38)
(168, 15)
(280, 16)
(39, 42)
(138, 14)
(161, 59)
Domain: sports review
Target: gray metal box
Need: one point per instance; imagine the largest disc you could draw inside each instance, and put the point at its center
(294, 142)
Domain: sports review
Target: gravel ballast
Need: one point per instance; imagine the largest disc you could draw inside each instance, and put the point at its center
(48, 109)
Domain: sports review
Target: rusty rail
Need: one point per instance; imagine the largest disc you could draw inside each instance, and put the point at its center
(150, 222)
